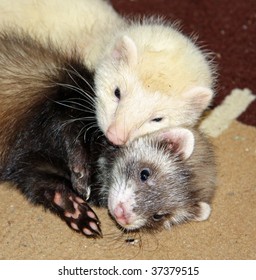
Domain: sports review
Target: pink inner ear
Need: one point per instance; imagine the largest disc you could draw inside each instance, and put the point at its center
(125, 49)
(171, 144)
(200, 97)
(175, 147)
(116, 54)
(180, 140)
(170, 140)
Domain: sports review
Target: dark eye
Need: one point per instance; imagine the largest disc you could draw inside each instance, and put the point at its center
(158, 217)
(157, 120)
(144, 174)
(118, 93)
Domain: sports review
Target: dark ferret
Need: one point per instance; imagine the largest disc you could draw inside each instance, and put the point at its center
(158, 180)
(46, 110)
(50, 149)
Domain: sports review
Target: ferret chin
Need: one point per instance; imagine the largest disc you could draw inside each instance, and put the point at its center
(151, 77)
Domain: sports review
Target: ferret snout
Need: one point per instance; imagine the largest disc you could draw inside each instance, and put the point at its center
(121, 215)
(126, 217)
(116, 135)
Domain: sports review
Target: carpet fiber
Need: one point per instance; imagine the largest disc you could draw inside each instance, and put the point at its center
(227, 27)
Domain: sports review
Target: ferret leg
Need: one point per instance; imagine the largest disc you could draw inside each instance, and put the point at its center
(79, 168)
(55, 194)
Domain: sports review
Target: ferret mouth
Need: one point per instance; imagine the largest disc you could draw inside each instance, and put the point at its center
(124, 226)
(126, 230)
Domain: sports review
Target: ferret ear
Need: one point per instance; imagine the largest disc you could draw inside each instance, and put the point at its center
(204, 211)
(181, 141)
(199, 98)
(125, 50)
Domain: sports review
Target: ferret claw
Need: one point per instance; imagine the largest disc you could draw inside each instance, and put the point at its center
(80, 182)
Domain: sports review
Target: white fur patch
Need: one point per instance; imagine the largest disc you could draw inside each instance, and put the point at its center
(123, 194)
(205, 211)
(120, 193)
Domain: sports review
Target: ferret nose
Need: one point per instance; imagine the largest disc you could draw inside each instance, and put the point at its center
(116, 136)
(119, 211)
(120, 215)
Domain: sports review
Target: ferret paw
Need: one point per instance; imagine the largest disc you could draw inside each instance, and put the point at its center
(78, 215)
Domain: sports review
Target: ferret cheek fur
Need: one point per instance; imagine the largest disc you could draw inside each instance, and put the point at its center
(204, 213)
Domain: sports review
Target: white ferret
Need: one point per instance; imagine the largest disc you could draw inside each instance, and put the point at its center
(148, 75)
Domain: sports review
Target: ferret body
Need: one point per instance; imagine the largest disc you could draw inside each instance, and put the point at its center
(149, 76)
(46, 107)
(66, 23)
(158, 180)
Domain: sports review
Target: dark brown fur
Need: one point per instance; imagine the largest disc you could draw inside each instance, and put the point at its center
(45, 100)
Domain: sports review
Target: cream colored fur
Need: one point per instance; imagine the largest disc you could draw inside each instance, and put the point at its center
(69, 23)
(160, 74)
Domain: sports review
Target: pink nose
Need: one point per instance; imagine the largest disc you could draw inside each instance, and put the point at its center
(120, 215)
(116, 136)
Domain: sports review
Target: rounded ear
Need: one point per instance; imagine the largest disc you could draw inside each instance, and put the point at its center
(204, 211)
(181, 141)
(125, 50)
(199, 98)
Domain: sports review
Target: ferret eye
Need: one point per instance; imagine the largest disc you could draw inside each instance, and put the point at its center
(117, 93)
(158, 217)
(144, 174)
(157, 119)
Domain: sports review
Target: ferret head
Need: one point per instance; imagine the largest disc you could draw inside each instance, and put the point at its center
(144, 85)
(149, 184)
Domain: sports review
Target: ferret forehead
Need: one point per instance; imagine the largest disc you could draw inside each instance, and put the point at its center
(158, 72)
(147, 152)
(173, 69)
(150, 98)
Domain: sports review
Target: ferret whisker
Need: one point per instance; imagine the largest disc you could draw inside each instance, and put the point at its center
(67, 122)
(88, 112)
(89, 128)
(78, 100)
(100, 134)
(79, 134)
(74, 88)
(63, 103)
(77, 74)
(89, 99)
(69, 106)
(82, 78)
(86, 108)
